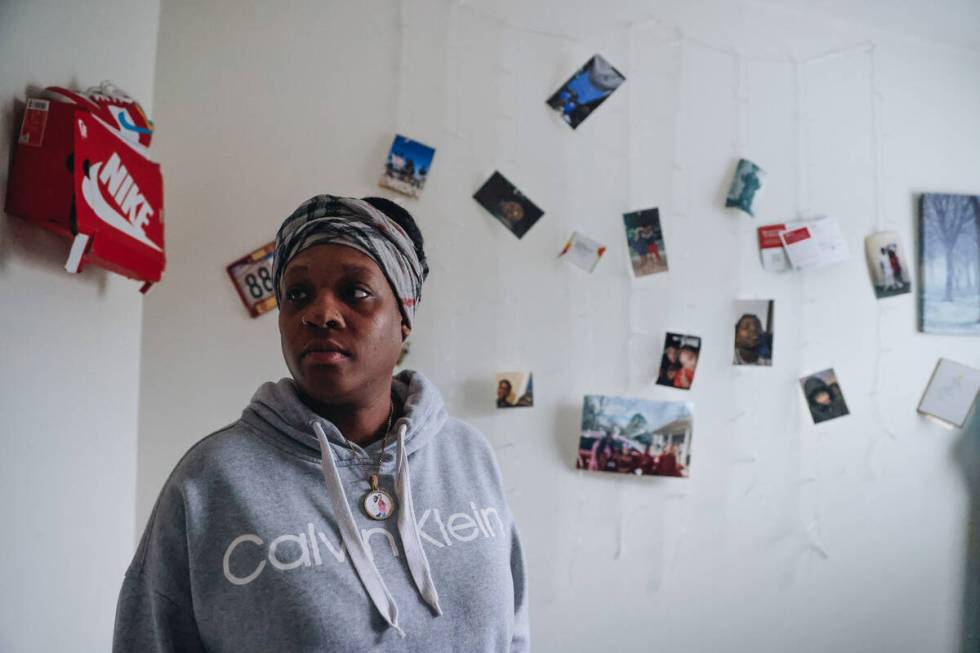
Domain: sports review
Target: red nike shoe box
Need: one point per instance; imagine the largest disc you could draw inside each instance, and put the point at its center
(79, 176)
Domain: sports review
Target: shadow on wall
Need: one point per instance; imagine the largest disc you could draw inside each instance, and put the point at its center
(967, 453)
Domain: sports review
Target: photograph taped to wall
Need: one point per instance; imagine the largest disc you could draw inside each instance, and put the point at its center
(583, 252)
(645, 239)
(949, 260)
(753, 331)
(515, 389)
(951, 393)
(679, 361)
(252, 277)
(510, 206)
(586, 90)
(636, 436)
(824, 396)
(890, 271)
(747, 184)
(407, 166)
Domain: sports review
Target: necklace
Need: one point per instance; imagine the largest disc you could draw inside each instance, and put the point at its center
(378, 504)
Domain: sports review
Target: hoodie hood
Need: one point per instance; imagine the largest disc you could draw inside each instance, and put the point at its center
(277, 407)
(815, 385)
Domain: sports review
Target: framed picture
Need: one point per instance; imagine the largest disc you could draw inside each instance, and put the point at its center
(949, 256)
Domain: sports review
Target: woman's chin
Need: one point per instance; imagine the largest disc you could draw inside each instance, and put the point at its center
(323, 382)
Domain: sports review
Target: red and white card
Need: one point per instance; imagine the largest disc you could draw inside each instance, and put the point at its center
(815, 244)
(801, 245)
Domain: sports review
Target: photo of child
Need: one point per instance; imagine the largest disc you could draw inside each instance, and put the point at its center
(824, 396)
(515, 389)
(679, 361)
(753, 332)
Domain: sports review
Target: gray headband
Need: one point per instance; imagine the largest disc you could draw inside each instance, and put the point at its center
(326, 219)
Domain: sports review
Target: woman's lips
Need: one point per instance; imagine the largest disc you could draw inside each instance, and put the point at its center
(324, 357)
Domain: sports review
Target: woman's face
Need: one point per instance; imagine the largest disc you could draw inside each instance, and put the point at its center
(503, 389)
(340, 325)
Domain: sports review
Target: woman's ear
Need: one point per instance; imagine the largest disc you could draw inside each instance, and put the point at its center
(406, 331)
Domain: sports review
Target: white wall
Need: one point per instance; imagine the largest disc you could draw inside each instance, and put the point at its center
(69, 356)
(849, 536)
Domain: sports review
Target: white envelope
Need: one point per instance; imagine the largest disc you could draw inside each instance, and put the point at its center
(815, 244)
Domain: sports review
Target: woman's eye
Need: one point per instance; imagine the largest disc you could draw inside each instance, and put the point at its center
(296, 294)
(360, 293)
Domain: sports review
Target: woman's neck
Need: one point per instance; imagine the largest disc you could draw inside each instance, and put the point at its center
(362, 424)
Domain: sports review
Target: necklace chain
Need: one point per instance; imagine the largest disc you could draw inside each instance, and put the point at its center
(384, 440)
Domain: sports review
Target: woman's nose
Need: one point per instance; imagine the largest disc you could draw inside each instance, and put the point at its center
(324, 312)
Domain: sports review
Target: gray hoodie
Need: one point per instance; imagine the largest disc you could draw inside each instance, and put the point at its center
(259, 543)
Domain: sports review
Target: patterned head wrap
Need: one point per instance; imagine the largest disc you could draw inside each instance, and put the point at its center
(326, 219)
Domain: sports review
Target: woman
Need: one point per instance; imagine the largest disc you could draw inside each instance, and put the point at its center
(344, 510)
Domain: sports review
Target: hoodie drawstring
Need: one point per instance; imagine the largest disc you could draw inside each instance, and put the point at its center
(408, 529)
(360, 557)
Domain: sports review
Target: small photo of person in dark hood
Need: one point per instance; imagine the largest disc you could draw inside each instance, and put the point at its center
(824, 396)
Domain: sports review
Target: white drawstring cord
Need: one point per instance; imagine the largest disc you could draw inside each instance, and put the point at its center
(418, 564)
(359, 555)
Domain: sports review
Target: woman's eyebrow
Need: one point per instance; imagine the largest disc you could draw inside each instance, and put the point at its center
(357, 269)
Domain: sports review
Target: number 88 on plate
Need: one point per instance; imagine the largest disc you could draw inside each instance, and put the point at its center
(252, 276)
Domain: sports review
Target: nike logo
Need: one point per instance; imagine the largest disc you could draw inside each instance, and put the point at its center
(134, 211)
(126, 123)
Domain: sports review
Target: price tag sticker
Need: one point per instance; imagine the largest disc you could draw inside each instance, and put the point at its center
(252, 276)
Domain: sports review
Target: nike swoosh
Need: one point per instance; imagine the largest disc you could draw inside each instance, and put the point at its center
(93, 196)
(121, 117)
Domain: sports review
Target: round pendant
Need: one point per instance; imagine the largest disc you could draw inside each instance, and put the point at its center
(379, 505)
